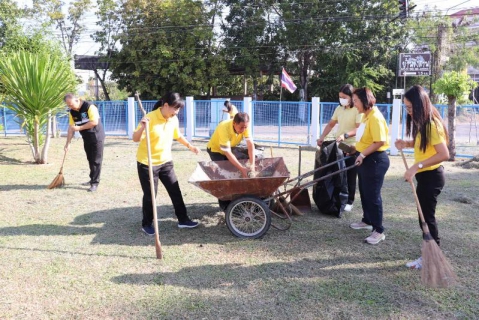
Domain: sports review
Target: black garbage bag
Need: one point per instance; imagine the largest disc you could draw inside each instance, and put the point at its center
(330, 194)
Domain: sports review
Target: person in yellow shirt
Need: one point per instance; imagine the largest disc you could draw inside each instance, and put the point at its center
(373, 163)
(84, 118)
(228, 134)
(348, 119)
(429, 140)
(230, 109)
(164, 128)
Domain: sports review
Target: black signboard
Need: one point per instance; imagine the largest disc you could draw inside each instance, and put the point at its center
(414, 64)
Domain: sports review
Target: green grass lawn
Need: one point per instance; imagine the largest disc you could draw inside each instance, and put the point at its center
(69, 254)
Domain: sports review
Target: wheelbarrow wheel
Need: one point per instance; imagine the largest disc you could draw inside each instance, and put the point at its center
(248, 217)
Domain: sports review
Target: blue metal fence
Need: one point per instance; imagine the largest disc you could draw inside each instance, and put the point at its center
(274, 122)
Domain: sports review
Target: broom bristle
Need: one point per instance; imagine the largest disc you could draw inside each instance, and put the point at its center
(59, 181)
(436, 271)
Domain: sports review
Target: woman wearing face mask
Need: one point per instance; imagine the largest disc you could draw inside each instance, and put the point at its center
(348, 119)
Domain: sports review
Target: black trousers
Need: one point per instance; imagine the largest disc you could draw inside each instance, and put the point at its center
(352, 175)
(93, 147)
(429, 186)
(370, 180)
(216, 156)
(166, 174)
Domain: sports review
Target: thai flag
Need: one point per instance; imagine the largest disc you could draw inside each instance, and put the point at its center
(286, 82)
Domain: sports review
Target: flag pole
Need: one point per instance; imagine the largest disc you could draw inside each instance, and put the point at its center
(279, 112)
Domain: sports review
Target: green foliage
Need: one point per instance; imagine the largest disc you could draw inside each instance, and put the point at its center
(362, 48)
(71, 24)
(34, 84)
(166, 49)
(10, 15)
(454, 84)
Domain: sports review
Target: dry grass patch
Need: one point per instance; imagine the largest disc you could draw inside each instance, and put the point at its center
(66, 253)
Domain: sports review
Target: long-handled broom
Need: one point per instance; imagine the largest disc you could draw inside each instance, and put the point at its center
(152, 183)
(436, 271)
(59, 180)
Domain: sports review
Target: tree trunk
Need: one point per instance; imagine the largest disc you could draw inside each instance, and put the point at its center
(46, 145)
(53, 132)
(36, 140)
(451, 126)
(103, 85)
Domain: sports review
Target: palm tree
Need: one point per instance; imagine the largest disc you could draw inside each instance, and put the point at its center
(454, 85)
(34, 84)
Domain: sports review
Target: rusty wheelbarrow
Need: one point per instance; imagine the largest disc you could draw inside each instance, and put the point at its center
(248, 215)
(254, 201)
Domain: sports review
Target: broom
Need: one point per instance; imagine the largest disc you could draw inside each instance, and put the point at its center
(152, 183)
(436, 271)
(59, 180)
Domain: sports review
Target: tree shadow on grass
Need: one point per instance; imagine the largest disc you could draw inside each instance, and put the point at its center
(8, 160)
(240, 276)
(122, 226)
(14, 187)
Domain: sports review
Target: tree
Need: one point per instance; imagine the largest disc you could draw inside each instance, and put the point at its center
(10, 15)
(109, 21)
(165, 46)
(454, 85)
(250, 43)
(34, 85)
(357, 46)
(453, 45)
(71, 25)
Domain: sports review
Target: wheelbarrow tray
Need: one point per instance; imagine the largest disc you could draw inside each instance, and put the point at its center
(223, 180)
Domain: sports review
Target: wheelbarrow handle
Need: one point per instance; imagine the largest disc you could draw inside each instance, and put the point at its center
(307, 174)
(298, 188)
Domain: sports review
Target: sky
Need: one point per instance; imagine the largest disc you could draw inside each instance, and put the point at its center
(87, 46)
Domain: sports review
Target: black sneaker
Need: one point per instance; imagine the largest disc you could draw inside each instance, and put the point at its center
(187, 224)
(149, 230)
(92, 188)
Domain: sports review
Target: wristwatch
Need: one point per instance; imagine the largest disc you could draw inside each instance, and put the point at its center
(420, 165)
(346, 136)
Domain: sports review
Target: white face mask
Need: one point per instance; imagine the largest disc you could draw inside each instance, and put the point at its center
(344, 102)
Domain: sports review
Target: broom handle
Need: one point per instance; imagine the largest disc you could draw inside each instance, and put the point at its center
(419, 210)
(152, 183)
(63, 161)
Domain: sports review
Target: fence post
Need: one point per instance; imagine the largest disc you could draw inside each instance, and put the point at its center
(130, 127)
(248, 108)
(190, 118)
(314, 121)
(396, 117)
(4, 120)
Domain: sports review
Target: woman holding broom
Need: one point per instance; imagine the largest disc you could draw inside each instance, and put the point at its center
(163, 129)
(429, 140)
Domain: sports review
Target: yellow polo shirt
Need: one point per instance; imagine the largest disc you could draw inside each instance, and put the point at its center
(437, 136)
(375, 129)
(162, 133)
(347, 119)
(93, 115)
(233, 111)
(225, 137)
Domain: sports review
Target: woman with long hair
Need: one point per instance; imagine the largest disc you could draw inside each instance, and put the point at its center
(429, 140)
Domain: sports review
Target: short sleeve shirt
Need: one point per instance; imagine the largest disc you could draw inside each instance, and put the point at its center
(162, 133)
(93, 115)
(375, 129)
(225, 137)
(347, 119)
(437, 136)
